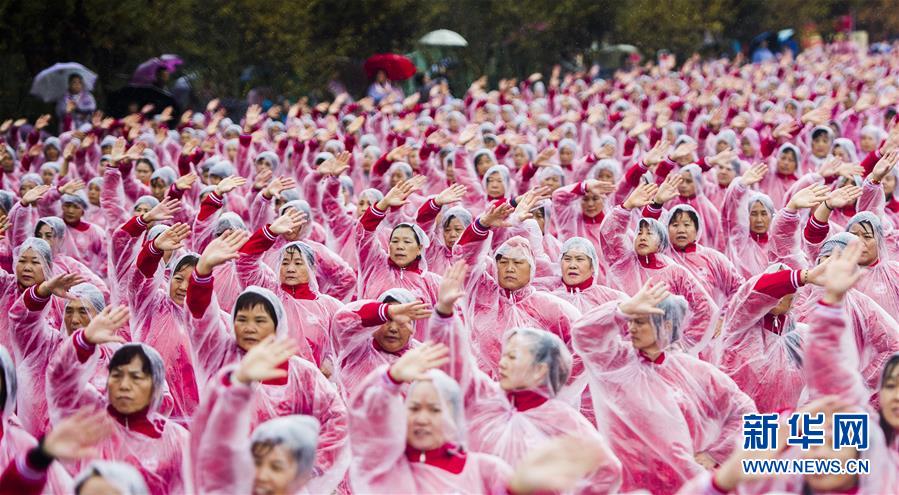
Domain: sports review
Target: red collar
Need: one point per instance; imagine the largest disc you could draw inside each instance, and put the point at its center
(586, 284)
(774, 323)
(565, 166)
(658, 360)
(689, 248)
(722, 186)
(848, 210)
(137, 422)
(650, 261)
(449, 457)
(893, 205)
(81, 226)
(594, 220)
(299, 291)
(412, 267)
(688, 198)
(787, 176)
(872, 265)
(759, 238)
(280, 380)
(524, 400)
(377, 346)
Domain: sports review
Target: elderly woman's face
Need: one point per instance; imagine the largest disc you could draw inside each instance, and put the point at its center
(452, 232)
(642, 333)
(520, 157)
(158, 188)
(93, 194)
(840, 153)
(72, 213)
(592, 205)
(396, 177)
(687, 188)
(252, 325)
(867, 143)
(721, 145)
(759, 218)
(404, 247)
(566, 155)
(516, 366)
(483, 164)
(889, 184)
(29, 269)
(513, 273)
(129, 387)
(646, 242)
(77, 315)
(294, 270)
(552, 181)
(46, 233)
(362, 205)
(51, 153)
(786, 162)
(425, 417)
(47, 174)
(496, 188)
(725, 174)
(746, 147)
(393, 336)
(576, 266)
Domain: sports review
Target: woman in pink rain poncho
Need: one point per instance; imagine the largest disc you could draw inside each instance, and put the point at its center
(143, 436)
(881, 280)
(501, 291)
(515, 414)
(34, 341)
(83, 241)
(278, 457)
(667, 415)
(14, 439)
(411, 438)
(633, 263)
(309, 312)
(714, 270)
(579, 265)
(834, 387)
(32, 264)
(783, 174)
(259, 313)
(760, 345)
(746, 218)
(404, 264)
(368, 334)
(445, 226)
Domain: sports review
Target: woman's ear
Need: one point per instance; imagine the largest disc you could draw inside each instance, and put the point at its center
(541, 370)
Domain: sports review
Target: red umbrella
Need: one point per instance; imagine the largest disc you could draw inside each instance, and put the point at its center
(397, 67)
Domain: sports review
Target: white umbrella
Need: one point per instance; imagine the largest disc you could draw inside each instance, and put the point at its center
(443, 37)
(53, 82)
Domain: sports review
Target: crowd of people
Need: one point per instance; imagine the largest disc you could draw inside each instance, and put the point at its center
(564, 284)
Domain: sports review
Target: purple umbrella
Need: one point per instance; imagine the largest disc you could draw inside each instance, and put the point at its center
(146, 72)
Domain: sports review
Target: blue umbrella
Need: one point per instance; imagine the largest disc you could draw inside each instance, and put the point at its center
(52, 83)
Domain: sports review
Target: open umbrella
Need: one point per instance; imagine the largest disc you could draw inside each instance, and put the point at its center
(52, 83)
(397, 67)
(146, 72)
(443, 37)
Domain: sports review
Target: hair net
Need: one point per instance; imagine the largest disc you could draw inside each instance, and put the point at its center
(334, 146)
(52, 142)
(875, 132)
(41, 248)
(6, 201)
(167, 174)
(89, 295)
(296, 433)
(839, 240)
(372, 195)
(610, 164)
(308, 258)
(482, 152)
(757, 197)
(122, 475)
(301, 206)
(75, 199)
(729, 137)
(676, 311)
(546, 172)
(459, 212)
(209, 163)
(821, 128)
(548, 348)
(847, 146)
(529, 150)
(281, 330)
(584, 246)
(228, 220)
(96, 181)
(372, 151)
(288, 195)
(656, 228)
(107, 141)
(402, 296)
(221, 169)
(146, 200)
(517, 248)
(322, 157)
(9, 382)
(792, 147)
(367, 140)
(346, 183)
(403, 167)
(503, 171)
(150, 157)
(54, 166)
(568, 143)
(56, 225)
(156, 230)
(32, 178)
(454, 411)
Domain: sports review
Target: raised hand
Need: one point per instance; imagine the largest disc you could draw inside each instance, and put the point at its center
(222, 249)
(646, 300)
(754, 175)
(262, 179)
(684, 151)
(185, 182)
(264, 360)
(42, 121)
(279, 185)
(844, 196)
(639, 129)
(59, 286)
(544, 157)
(290, 221)
(165, 210)
(405, 313)
(556, 466)
(842, 271)
(450, 195)
(252, 117)
(785, 130)
(228, 184)
(668, 190)
(397, 195)
(809, 197)
(173, 238)
(399, 153)
(830, 167)
(657, 153)
(599, 187)
(34, 195)
(496, 215)
(641, 196)
(69, 151)
(71, 187)
(416, 362)
(76, 436)
(103, 327)
(526, 203)
(722, 158)
(118, 150)
(468, 133)
(136, 152)
(885, 165)
(451, 287)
